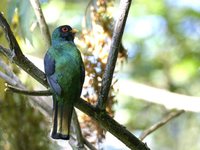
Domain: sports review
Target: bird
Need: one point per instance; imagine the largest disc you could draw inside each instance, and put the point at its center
(65, 73)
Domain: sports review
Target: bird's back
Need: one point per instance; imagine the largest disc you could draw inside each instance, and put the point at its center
(68, 64)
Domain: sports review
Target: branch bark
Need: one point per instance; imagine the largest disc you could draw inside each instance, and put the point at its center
(78, 142)
(112, 126)
(26, 92)
(161, 123)
(15, 54)
(78, 131)
(41, 20)
(112, 58)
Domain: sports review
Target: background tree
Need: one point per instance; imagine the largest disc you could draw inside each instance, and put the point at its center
(162, 51)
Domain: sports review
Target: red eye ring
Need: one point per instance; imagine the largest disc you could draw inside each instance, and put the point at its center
(64, 29)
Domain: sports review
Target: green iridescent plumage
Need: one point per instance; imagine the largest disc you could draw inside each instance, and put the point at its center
(65, 74)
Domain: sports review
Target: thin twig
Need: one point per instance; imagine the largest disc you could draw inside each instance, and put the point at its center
(26, 92)
(42, 22)
(7, 78)
(5, 68)
(161, 123)
(11, 74)
(89, 145)
(79, 137)
(7, 52)
(85, 16)
(112, 58)
(40, 103)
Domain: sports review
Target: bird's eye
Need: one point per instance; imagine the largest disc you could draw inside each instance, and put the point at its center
(64, 29)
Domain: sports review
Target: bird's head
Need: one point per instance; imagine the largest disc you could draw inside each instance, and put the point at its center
(63, 33)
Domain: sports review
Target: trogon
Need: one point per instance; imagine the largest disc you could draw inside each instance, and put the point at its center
(65, 74)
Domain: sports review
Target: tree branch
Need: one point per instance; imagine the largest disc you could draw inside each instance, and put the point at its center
(112, 58)
(9, 76)
(90, 146)
(161, 123)
(7, 52)
(10, 88)
(41, 20)
(15, 54)
(78, 130)
(79, 137)
(101, 117)
(112, 126)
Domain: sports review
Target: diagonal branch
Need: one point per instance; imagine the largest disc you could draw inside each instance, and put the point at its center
(112, 126)
(7, 78)
(90, 146)
(112, 58)
(161, 123)
(41, 20)
(15, 54)
(8, 72)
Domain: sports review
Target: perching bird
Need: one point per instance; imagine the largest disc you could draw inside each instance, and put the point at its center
(65, 74)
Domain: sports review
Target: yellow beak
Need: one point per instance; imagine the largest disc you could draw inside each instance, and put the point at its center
(74, 31)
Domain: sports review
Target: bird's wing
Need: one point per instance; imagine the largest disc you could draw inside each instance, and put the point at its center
(49, 67)
(82, 73)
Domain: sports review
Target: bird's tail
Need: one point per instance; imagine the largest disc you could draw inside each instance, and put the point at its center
(62, 114)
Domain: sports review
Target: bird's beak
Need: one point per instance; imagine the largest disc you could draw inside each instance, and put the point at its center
(74, 31)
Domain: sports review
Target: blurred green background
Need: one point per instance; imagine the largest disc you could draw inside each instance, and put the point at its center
(162, 39)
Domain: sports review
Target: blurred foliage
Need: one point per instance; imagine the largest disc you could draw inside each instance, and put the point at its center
(169, 50)
(22, 127)
(22, 14)
(162, 39)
